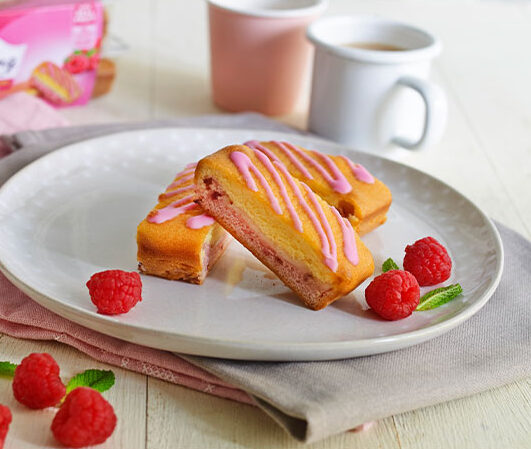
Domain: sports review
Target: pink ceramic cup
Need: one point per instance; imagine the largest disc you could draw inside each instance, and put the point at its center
(258, 52)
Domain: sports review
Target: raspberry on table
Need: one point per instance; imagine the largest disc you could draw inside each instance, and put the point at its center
(393, 295)
(428, 261)
(36, 382)
(5, 420)
(84, 419)
(115, 291)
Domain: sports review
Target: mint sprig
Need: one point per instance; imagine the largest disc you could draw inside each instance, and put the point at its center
(100, 380)
(388, 265)
(438, 297)
(7, 369)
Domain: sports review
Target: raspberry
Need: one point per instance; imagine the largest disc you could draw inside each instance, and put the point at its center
(428, 261)
(84, 419)
(115, 291)
(94, 61)
(5, 420)
(36, 383)
(393, 295)
(76, 63)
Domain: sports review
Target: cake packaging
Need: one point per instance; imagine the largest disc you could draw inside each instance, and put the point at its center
(50, 48)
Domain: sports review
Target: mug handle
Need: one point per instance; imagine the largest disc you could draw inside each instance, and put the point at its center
(436, 111)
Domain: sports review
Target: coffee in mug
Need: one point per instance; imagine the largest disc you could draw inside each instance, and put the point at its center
(370, 86)
(374, 46)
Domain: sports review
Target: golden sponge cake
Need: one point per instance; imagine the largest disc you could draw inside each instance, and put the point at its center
(348, 186)
(177, 240)
(305, 241)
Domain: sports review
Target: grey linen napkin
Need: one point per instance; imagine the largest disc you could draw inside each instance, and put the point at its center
(313, 400)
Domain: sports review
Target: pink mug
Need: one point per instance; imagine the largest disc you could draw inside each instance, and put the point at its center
(258, 52)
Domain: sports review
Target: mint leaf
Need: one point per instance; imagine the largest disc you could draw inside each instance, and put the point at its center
(388, 265)
(7, 369)
(438, 297)
(98, 379)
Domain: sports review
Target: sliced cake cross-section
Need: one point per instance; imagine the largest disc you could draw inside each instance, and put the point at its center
(305, 241)
(177, 240)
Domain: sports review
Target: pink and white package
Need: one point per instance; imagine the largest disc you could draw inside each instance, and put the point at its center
(50, 48)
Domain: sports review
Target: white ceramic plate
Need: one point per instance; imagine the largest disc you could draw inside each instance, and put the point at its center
(74, 212)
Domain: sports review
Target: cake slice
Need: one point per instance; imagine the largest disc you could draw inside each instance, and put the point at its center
(302, 239)
(177, 240)
(356, 194)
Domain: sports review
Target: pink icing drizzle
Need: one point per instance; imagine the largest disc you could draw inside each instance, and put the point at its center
(257, 146)
(199, 221)
(271, 169)
(182, 180)
(349, 238)
(332, 259)
(285, 149)
(360, 172)
(182, 205)
(245, 167)
(338, 182)
(176, 192)
(325, 245)
(173, 210)
(321, 224)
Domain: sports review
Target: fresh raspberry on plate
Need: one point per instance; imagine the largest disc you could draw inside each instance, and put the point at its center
(115, 291)
(5, 420)
(393, 295)
(428, 261)
(36, 382)
(84, 419)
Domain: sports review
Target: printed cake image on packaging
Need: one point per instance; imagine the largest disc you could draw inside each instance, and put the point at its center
(50, 48)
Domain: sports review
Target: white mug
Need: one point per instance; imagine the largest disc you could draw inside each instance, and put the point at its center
(370, 98)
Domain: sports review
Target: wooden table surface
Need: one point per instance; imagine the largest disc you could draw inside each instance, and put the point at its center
(485, 69)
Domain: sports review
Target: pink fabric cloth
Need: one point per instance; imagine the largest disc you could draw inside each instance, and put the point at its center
(21, 317)
(21, 111)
